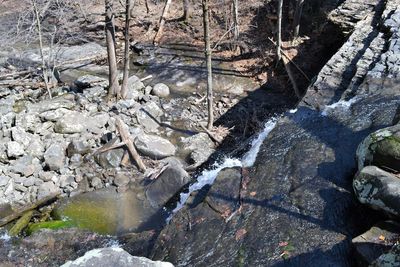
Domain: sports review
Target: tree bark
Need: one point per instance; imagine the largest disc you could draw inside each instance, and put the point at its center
(297, 18)
(207, 52)
(235, 8)
(124, 87)
(186, 10)
(113, 89)
(279, 31)
(162, 22)
(44, 67)
(125, 136)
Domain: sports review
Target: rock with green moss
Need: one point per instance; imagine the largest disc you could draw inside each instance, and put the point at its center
(53, 225)
(381, 148)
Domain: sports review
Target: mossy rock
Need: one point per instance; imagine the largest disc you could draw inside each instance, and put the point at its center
(382, 149)
(53, 225)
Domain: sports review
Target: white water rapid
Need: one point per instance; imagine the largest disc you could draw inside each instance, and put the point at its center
(208, 176)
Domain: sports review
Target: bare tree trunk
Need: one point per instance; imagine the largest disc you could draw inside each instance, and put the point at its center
(235, 8)
(162, 22)
(297, 17)
(279, 31)
(113, 89)
(44, 67)
(186, 10)
(124, 87)
(207, 52)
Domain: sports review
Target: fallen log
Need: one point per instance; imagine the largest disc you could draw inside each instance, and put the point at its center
(126, 138)
(18, 213)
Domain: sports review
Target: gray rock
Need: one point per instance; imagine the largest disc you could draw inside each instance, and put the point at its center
(106, 257)
(381, 148)
(4, 180)
(149, 116)
(28, 121)
(55, 157)
(88, 80)
(121, 179)
(65, 101)
(167, 184)
(21, 136)
(160, 90)
(227, 184)
(47, 176)
(389, 259)
(375, 242)
(46, 189)
(24, 166)
(14, 149)
(73, 122)
(75, 161)
(378, 189)
(94, 92)
(96, 183)
(111, 158)
(35, 148)
(77, 147)
(54, 115)
(135, 86)
(6, 105)
(199, 147)
(154, 146)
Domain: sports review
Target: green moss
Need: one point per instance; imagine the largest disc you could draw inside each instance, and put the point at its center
(53, 225)
(19, 106)
(85, 214)
(21, 223)
(241, 257)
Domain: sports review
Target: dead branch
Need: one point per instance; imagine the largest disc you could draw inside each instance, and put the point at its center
(126, 138)
(291, 77)
(291, 61)
(212, 135)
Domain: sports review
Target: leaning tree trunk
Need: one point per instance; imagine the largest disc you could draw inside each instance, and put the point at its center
(186, 10)
(279, 31)
(124, 87)
(235, 8)
(113, 89)
(297, 17)
(162, 22)
(207, 52)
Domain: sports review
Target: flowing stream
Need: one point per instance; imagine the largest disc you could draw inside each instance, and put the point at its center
(208, 176)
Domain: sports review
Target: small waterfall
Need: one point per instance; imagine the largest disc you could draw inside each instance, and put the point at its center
(340, 105)
(207, 177)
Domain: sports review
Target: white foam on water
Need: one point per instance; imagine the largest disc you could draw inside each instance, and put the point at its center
(5, 237)
(207, 177)
(340, 105)
(250, 157)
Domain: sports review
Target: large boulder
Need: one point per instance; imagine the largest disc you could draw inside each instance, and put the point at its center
(135, 88)
(381, 148)
(389, 259)
(154, 146)
(378, 189)
(105, 257)
(14, 149)
(167, 184)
